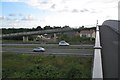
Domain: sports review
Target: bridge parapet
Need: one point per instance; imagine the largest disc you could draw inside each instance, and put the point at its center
(97, 62)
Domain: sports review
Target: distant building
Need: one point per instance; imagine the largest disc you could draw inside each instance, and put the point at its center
(88, 32)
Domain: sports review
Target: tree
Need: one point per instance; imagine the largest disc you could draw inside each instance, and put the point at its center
(57, 27)
(66, 26)
(47, 27)
(38, 28)
(82, 27)
(63, 37)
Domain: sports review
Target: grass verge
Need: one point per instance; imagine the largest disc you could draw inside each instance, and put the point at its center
(45, 66)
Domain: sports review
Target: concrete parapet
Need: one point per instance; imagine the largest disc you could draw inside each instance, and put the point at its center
(25, 38)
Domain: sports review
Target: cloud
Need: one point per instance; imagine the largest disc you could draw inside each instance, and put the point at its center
(4, 18)
(28, 18)
(12, 14)
(68, 12)
(43, 2)
(40, 4)
(20, 14)
(71, 19)
(59, 5)
(19, 24)
(9, 0)
(72, 5)
(75, 11)
(17, 19)
(84, 10)
(53, 6)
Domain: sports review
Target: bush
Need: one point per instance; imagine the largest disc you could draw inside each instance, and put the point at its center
(42, 66)
(76, 39)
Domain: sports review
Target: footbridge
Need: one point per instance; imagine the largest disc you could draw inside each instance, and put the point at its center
(38, 32)
(26, 34)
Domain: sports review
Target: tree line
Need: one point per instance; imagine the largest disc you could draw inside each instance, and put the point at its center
(38, 28)
(15, 30)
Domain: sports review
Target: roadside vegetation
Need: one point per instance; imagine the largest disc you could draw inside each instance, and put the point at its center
(76, 39)
(45, 66)
(72, 40)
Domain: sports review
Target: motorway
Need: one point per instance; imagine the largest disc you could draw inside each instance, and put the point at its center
(84, 50)
(84, 45)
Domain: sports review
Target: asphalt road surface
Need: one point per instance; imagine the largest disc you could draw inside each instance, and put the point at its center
(56, 51)
(50, 45)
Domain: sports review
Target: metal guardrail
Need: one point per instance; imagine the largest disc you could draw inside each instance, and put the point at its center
(97, 62)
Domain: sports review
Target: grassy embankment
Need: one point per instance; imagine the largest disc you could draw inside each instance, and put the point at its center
(45, 66)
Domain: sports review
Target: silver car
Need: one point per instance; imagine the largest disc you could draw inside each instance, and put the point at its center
(63, 43)
(39, 49)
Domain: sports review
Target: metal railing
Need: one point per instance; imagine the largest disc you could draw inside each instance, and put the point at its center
(97, 62)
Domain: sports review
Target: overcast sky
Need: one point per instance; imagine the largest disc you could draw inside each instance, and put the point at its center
(75, 13)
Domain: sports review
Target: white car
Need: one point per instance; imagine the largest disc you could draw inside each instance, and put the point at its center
(63, 43)
(39, 49)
